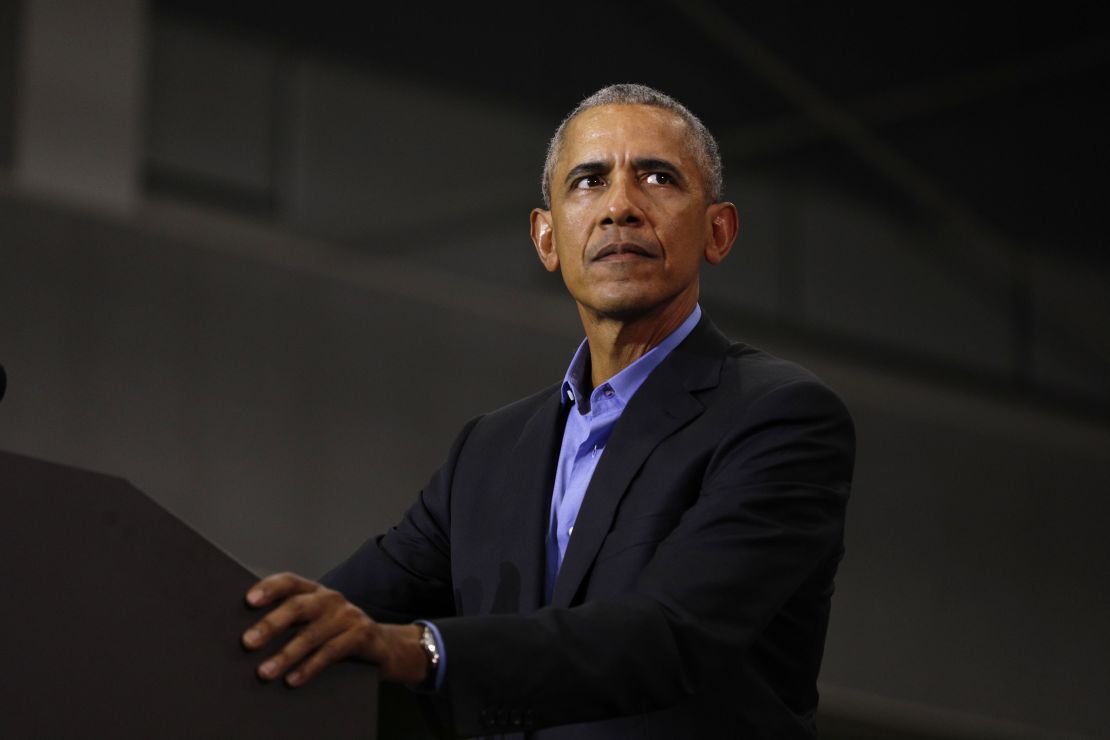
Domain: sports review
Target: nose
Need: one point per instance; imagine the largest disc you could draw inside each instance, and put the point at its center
(622, 207)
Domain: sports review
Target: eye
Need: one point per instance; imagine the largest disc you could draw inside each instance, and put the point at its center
(659, 178)
(589, 181)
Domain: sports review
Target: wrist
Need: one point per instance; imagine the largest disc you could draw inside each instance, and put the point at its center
(408, 664)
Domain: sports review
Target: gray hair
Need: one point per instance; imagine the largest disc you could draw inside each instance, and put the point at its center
(706, 151)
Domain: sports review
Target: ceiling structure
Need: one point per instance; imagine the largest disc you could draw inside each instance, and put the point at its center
(967, 116)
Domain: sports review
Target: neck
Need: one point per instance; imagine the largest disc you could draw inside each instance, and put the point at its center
(617, 342)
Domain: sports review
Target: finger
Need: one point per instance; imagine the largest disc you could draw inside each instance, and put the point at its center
(341, 646)
(276, 587)
(308, 639)
(298, 608)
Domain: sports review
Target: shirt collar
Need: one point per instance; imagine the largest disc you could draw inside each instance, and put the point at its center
(627, 381)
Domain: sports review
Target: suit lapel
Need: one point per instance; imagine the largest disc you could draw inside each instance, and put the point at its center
(527, 502)
(662, 405)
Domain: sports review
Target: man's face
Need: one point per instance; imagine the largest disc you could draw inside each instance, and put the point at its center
(629, 224)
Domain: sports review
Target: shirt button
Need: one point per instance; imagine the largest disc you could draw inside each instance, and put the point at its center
(570, 531)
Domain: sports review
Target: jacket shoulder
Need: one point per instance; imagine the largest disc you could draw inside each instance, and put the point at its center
(709, 359)
(760, 372)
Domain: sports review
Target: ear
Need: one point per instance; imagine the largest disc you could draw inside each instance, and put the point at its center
(544, 238)
(724, 222)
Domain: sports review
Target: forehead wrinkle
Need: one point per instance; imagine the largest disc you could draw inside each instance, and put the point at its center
(593, 141)
(693, 165)
(699, 142)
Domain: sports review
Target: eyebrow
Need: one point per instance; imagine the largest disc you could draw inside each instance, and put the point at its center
(652, 164)
(658, 165)
(586, 168)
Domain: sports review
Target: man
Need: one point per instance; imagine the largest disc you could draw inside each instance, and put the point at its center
(648, 548)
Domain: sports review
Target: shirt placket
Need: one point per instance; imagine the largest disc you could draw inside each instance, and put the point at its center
(603, 407)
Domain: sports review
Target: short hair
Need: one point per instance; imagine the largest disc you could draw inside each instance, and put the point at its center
(706, 151)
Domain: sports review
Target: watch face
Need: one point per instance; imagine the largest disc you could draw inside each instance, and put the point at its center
(428, 642)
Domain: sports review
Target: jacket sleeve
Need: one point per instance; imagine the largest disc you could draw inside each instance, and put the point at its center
(769, 515)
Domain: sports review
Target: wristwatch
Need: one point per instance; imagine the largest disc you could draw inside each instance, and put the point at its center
(431, 655)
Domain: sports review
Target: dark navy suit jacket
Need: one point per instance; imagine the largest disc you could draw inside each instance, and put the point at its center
(694, 596)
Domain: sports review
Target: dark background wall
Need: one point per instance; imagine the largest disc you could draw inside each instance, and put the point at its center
(266, 264)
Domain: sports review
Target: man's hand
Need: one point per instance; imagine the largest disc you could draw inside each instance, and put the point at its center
(330, 629)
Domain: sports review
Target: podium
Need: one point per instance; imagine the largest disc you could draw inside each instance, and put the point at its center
(120, 621)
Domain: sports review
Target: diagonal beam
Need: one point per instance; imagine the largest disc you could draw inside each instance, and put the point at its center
(933, 96)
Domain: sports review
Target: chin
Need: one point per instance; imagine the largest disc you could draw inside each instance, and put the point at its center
(627, 308)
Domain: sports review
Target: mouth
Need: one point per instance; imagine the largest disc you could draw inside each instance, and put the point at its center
(623, 251)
